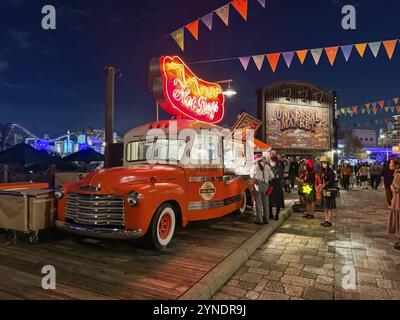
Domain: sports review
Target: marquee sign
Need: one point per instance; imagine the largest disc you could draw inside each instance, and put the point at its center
(298, 127)
(182, 94)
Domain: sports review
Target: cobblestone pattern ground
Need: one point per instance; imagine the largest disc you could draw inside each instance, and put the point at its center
(353, 260)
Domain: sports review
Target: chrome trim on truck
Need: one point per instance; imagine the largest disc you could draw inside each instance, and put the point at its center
(203, 205)
(95, 210)
(99, 232)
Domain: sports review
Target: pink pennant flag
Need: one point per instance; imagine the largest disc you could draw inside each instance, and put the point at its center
(245, 62)
(208, 20)
(259, 60)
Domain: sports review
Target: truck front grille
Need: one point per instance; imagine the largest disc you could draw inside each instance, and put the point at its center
(106, 211)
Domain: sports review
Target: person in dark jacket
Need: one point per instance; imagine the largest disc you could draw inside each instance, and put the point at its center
(388, 174)
(276, 199)
(293, 171)
(329, 190)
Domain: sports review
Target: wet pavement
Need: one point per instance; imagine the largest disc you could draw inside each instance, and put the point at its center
(352, 260)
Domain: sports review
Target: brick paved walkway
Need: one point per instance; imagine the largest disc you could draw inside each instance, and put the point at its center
(302, 260)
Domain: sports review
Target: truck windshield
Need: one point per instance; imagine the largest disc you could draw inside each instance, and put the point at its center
(157, 150)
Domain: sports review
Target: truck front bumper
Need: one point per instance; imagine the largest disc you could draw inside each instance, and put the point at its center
(99, 232)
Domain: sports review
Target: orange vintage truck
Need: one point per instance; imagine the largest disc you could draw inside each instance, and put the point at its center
(166, 180)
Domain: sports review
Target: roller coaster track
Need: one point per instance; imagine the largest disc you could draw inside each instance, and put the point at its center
(8, 131)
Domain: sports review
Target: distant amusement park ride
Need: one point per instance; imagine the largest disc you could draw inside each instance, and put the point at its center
(13, 133)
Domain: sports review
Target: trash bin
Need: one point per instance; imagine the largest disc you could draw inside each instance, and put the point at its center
(28, 211)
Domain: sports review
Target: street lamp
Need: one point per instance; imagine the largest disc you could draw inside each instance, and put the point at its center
(229, 92)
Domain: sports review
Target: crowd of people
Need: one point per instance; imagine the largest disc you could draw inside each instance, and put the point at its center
(320, 182)
(277, 174)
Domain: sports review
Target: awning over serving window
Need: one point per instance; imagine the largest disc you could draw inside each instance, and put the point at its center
(260, 146)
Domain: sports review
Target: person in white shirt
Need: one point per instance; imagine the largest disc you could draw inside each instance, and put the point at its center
(261, 173)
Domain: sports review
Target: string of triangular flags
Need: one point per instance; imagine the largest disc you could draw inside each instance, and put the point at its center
(372, 108)
(362, 124)
(223, 13)
(331, 53)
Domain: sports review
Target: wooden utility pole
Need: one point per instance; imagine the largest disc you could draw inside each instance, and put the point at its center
(109, 116)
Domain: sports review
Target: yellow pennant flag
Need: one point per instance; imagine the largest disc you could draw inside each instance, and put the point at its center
(361, 47)
(179, 37)
(387, 109)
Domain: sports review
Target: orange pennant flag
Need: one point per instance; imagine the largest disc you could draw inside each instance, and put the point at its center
(331, 52)
(273, 59)
(194, 29)
(398, 109)
(241, 6)
(361, 47)
(302, 54)
(390, 46)
(382, 103)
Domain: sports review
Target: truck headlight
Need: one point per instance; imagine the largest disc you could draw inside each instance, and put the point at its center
(132, 198)
(59, 192)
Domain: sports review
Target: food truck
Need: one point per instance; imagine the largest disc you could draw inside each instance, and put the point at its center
(174, 172)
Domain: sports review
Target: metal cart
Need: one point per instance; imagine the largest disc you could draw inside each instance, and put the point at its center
(28, 211)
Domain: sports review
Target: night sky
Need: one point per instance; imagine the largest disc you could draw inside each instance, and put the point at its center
(51, 81)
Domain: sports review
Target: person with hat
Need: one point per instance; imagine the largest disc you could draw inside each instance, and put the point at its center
(307, 190)
(329, 191)
(261, 173)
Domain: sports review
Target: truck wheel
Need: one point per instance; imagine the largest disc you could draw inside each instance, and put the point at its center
(162, 227)
(242, 209)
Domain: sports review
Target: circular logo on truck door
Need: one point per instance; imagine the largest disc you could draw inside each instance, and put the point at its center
(207, 191)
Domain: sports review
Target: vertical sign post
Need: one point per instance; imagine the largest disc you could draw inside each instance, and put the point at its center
(109, 115)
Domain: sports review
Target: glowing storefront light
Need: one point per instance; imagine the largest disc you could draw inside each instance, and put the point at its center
(184, 95)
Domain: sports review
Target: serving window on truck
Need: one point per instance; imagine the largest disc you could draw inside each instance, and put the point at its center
(156, 150)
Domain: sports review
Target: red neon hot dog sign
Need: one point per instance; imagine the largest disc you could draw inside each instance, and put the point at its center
(186, 96)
